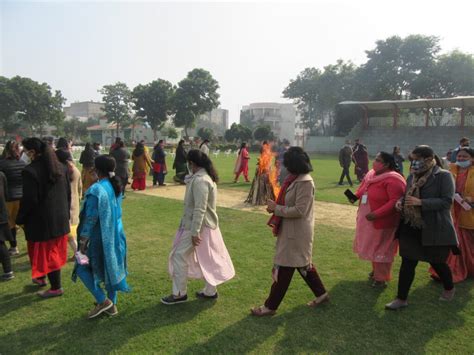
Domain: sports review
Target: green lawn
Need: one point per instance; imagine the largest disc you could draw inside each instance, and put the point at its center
(353, 322)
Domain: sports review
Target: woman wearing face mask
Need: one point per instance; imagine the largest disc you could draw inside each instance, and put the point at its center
(198, 250)
(462, 266)
(426, 232)
(377, 219)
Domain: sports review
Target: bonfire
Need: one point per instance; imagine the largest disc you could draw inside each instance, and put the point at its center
(265, 182)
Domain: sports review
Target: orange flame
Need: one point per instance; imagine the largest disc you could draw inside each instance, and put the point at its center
(265, 166)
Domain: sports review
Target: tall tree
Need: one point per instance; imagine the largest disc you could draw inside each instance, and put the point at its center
(153, 102)
(263, 133)
(238, 132)
(36, 104)
(117, 104)
(205, 133)
(196, 94)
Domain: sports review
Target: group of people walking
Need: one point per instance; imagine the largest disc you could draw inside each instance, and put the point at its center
(413, 215)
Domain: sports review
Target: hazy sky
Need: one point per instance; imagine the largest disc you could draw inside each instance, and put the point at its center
(252, 48)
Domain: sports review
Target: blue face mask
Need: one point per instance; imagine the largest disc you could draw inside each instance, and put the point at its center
(464, 164)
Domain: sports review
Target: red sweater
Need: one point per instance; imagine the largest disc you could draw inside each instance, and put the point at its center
(382, 197)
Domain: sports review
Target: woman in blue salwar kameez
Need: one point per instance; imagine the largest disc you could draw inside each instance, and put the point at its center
(101, 237)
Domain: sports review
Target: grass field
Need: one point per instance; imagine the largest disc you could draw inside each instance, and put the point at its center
(353, 322)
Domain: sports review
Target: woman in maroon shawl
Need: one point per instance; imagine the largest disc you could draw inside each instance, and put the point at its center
(360, 156)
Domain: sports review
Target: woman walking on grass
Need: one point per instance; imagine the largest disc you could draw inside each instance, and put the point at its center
(180, 163)
(141, 167)
(293, 225)
(427, 231)
(102, 240)
(198, 250)
(44, 213)
(377, 219)
(5, 232)
(242, 163)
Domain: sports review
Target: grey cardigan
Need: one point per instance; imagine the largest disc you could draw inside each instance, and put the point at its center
(436, 200)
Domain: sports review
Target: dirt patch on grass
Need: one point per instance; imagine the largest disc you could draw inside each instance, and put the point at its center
(327, 213)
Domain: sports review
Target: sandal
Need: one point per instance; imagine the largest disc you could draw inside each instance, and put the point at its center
(320, 300)
(262, 311)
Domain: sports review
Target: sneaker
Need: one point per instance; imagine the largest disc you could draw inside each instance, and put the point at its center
(112, 311)
(100, 308)
(40, 282)
(8, 276)
(50, 293)
(13, 251)
(447, 296)
(396, 304)
(169, 300)
(203, 295)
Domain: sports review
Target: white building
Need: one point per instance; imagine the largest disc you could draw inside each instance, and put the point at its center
(84, 110)
(281, 118)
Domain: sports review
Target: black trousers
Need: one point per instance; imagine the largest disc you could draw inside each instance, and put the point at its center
(5, 259)
(345, 173)
(285, 274)
(407, 274)
(13, 243)
(54, 278)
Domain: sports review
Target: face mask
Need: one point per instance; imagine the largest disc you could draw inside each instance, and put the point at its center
(464, 164)
(417, 165)
(378, 166)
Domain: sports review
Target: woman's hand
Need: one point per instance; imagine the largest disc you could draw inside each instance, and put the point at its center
(371, 216)
(271, 205)
(196, 240)
(399, 205)
(412, 201)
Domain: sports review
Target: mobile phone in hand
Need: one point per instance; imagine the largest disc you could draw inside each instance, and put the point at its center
(350, 196)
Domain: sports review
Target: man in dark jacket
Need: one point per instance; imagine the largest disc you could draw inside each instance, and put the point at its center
(345, 159)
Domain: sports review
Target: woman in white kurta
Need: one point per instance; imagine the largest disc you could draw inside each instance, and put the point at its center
(198, 249)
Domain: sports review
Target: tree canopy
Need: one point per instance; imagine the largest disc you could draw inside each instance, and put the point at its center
(117, 104)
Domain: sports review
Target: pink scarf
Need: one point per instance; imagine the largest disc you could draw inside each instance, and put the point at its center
(372, 178)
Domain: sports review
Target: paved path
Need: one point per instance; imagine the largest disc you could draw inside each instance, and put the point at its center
(325, 212)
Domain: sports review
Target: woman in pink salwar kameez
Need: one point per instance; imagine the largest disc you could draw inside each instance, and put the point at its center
(198, 249)
(377, 219)
(242, 163)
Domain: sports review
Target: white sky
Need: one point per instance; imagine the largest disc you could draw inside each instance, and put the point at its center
(252, 48)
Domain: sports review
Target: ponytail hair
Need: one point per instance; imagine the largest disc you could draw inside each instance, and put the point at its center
(202, 160)
(46, 155)
(105, 166)
(389, 160)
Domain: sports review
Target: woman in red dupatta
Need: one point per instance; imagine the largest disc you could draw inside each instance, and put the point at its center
(292, 223)
(242, 163)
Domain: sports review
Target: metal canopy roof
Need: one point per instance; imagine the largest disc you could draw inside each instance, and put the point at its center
(459, 101)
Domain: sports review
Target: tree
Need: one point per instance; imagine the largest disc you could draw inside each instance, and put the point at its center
(205, 133)
(262, 133)
(172, 133)
(74, 128)
(196, 94)
(394, 64)
(238, 132)
(117, 104)
(154, 103)
(8, 105)
(35, 104)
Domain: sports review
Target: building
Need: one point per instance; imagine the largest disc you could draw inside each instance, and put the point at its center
(217, 120)
(84, 110)
(281, 118)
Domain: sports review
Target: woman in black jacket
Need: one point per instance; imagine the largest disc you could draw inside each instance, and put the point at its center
(44, 213)
(12, 167)
(426, 232)
(122, 157)
(180, 163)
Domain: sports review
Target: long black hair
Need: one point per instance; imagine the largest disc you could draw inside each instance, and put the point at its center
(202, 160)
(11, 150)
(139, 150)
(204, 142)
(389, 160)
(62, 143)
(46, 155)
(105, 167)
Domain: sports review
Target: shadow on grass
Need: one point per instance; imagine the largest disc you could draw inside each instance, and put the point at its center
(99, 334)
(353, 319)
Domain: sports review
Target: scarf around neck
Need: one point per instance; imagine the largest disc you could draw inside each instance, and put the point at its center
(275, 221)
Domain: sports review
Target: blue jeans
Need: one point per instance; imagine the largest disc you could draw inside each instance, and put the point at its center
(85, 274)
